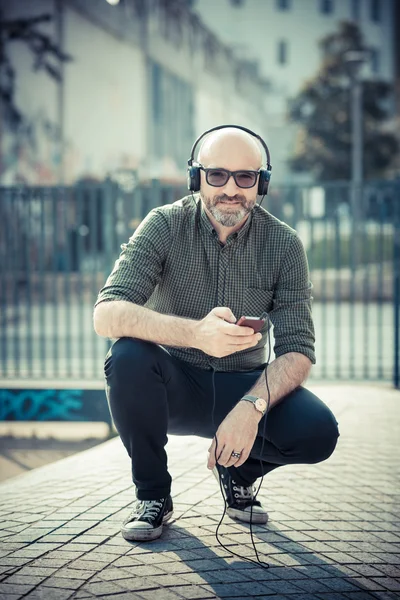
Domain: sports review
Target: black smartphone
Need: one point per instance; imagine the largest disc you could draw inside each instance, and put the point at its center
(254, 322)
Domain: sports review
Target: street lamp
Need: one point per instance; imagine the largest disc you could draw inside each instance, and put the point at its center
(354, 61)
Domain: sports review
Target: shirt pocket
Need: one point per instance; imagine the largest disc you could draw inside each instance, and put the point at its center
(256, 301)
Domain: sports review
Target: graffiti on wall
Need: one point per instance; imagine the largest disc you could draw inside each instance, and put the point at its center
(53, 405)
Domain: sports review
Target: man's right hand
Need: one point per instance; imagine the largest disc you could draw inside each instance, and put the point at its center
(217, 334)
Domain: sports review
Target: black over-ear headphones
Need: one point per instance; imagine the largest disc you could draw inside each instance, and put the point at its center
(193, 171)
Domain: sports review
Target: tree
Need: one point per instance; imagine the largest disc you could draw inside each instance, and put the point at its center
(322, 108)
(44, 51)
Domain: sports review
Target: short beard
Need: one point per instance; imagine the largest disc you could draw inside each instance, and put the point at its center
(233, 217)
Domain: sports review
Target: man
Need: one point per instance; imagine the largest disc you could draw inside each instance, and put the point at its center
(190, 270)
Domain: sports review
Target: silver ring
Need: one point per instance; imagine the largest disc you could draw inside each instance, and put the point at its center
(236, 454)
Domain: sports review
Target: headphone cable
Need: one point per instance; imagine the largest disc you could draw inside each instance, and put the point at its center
(258, 561)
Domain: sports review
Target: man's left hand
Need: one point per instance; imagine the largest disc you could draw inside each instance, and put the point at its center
(236, 433)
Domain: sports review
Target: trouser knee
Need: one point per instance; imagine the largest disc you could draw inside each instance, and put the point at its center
(130, 357)
(322, 442)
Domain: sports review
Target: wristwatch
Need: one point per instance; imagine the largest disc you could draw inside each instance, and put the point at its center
(259, 403)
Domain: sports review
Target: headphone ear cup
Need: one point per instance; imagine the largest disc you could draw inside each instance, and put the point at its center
(193, 179)
(263, 182)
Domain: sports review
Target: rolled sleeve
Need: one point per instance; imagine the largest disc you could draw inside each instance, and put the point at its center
(139, 267)
(291, 314)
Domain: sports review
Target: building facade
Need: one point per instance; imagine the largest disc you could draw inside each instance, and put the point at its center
(282, 37)
(144, 79)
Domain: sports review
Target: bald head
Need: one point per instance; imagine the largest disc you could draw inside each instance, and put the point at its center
(232, 149)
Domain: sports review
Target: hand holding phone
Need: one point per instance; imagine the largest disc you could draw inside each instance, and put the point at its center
(254, 322)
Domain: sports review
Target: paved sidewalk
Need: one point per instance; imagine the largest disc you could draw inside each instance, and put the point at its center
(27, 445)
(333, 533)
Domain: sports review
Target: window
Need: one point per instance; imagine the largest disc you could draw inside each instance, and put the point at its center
(282, 52)
(283, 4)
(375, 11)
(375, 60)
(355, 10)
(326, 7)
(171, 115)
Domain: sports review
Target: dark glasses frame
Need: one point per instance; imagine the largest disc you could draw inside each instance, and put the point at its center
(230, 174)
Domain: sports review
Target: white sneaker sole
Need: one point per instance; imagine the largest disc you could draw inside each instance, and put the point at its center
(242, 515)
(145, 534)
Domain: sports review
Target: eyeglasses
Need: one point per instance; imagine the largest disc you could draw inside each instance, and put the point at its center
(220, 177)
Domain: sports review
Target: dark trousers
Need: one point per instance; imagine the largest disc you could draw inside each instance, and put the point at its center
(151, 393)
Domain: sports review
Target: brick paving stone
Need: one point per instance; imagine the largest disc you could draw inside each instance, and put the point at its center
(224, 590)
(261, 574)
(193, 578)
(284, 587)
(62, 582)
(9, 561)
(41, 593)
(80, 574)
(165, 595)
(368, 570)
(341, 584)
(369, 584)
(362, 595)
(389, 583)
(168, 579)
(391, 570)
(386, 595)
(231, 576)
(312, 571)
(328, 596)
(138, 583)
(313, 586)
(29, 580)
(388, 536)
(103, 587)
(16, 588)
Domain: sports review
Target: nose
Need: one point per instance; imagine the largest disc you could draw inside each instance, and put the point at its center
(230, 188)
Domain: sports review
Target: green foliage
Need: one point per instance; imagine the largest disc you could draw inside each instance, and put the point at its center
(322, 108)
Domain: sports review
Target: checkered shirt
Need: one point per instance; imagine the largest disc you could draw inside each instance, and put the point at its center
(175, 264)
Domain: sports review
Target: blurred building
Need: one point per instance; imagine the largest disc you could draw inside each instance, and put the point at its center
(282, 36)
(144, 80)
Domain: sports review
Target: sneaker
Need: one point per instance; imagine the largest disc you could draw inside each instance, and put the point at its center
(240, 499)
(146, 520)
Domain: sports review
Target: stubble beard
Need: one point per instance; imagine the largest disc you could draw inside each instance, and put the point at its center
(231, 216)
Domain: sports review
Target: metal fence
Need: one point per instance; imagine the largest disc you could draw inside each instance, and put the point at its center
(57, 246)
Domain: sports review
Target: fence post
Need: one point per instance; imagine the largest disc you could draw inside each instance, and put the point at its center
(396, 285)
(109, 225)
(109, 231)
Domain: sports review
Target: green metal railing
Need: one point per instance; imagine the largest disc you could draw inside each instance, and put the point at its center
(57, 246)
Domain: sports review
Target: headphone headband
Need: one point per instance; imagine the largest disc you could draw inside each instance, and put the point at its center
(193, 171)
(259, 138)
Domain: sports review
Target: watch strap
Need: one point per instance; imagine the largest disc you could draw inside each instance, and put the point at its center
(249, 397)
(253, 400)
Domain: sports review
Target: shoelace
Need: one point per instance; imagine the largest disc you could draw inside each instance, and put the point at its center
(244, 493)
(147, 509)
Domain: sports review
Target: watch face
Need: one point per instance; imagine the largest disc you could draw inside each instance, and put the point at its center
(261, 404)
